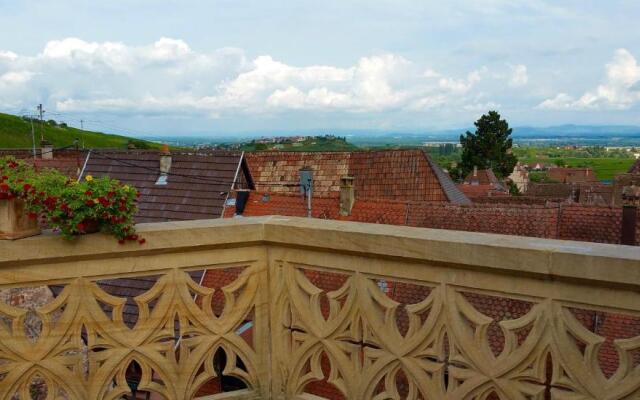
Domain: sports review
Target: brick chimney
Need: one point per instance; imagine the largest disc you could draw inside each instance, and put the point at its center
(165, 165)
(347, 196)
(46, 151)
(165, 159)
(630, 202)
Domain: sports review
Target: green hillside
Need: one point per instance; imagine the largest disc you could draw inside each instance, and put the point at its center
(15, 132)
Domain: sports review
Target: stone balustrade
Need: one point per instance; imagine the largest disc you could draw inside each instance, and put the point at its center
(292, 308)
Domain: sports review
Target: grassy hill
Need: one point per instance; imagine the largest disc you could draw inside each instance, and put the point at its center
(15, 132)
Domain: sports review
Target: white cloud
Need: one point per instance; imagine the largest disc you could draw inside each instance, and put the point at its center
(519, 76)
(169, 77)
(561, 101)
(482, 107)
(618, 91)
(15, 77)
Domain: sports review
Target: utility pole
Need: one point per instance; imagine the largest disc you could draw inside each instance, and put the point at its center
(33, 137)
(82, 124)
(41, 112)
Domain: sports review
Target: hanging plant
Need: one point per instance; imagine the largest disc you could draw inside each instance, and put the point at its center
(71, 207)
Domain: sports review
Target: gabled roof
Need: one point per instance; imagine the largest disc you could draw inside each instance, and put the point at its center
(403, 175)
(483, 190)
(482, 177)
(196, 187)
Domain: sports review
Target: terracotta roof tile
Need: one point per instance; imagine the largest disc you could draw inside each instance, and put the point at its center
(406, 175)
(67, 161)
(572, 175)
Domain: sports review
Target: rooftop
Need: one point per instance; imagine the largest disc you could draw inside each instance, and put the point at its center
(196, 185)
(404, 175)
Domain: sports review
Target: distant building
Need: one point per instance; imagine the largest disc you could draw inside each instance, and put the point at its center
(520, 177)
(483, 183)
(572, 175)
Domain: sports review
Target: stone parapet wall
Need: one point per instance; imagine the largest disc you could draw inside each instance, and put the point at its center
(285, 304)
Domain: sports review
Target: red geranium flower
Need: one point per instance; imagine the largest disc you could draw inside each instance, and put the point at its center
(90, 203)
(32, 216)
(104, 201)
(80, 227)
(4, 187)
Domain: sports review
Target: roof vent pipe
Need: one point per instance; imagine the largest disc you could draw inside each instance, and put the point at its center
(306, 186)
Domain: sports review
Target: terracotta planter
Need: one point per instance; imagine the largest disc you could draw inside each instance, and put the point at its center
(91, 226)
(14, 220)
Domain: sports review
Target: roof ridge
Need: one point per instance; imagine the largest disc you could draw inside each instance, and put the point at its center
(449, 188)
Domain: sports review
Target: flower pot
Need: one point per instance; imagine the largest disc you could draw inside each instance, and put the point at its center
(14, 220)
(91, 226)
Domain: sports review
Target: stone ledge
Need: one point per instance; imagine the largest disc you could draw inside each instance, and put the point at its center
(603, 264)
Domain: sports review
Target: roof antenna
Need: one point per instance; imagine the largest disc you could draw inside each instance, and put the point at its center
(306, 186)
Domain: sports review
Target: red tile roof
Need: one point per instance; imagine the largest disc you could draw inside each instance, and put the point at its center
(67, 161)
(405, 175)
(482, 177)
(589, 223)
(197, 186)
(480, 191)
(572, 175)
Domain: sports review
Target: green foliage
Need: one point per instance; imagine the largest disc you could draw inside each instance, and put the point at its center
(311, 143)
(513, 188)
(540, 177)
(489, 147)
(15, 132)
(69, 206)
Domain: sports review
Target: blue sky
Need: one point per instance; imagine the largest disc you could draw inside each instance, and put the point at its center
(197, 67)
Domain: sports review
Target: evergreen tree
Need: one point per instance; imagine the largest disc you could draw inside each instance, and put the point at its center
(488, 147)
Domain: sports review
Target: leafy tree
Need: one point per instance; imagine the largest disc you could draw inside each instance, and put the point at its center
(488, 147)
(513, 188)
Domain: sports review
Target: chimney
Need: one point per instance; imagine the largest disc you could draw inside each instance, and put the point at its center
(46, 150)
(475, 171)
(630, 202)
(347, 197)
(165, 165)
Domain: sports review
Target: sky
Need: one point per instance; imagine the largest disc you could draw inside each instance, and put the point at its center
(143, 67)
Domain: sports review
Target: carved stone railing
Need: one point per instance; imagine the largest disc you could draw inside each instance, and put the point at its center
(308, 308)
